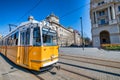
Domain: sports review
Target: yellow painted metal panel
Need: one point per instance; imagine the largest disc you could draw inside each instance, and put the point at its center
(48, 52)
(12, 53)
(37, 56)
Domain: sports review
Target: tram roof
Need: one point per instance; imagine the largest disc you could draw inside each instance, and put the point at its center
(21, 25)
(44, 22)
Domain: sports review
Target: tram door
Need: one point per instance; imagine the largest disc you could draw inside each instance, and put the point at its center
(25, 41)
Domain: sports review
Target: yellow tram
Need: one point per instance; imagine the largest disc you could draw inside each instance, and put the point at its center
(32, 45)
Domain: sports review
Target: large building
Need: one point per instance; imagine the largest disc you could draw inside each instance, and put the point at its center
(0, 36)
(105, 20)
(66, 36)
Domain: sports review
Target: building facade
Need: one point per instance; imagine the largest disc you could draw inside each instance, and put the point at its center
(0, 36)
(105, 21)
(66, 36)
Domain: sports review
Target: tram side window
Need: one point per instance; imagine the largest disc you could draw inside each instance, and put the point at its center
(3, 42)
(9, 41)
(6, 41)
(12, 40)
(0, 43)
(15, 39)
(28, 36)
(36, 37)
(22, 39)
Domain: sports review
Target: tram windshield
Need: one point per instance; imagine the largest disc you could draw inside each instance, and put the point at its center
(36, 37)
(49, 37)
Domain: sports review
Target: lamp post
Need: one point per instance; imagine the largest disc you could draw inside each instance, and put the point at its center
(82, 33)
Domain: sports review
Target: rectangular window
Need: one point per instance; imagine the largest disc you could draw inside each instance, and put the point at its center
(12, 40)
(119, 18)
(101, 13)
(22, 38)
(49, 37)
(2, 42)
(101, 3)
(119, 28)
(9, 41)
(98, 4)
(119, 8)
(94, 17)
(28, 36)
(36, 37)
(16, 38)
(102, 22)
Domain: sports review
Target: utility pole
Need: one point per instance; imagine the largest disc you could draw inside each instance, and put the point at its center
(82, 33)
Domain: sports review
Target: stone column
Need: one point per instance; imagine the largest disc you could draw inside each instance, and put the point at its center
(96, 18)
(93, 18)
(113, 12)
(109, 15)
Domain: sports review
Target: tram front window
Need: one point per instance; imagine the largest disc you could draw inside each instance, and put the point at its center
(49, 37)
(36, 37)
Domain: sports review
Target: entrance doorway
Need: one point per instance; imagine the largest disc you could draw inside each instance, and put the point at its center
(104, 37)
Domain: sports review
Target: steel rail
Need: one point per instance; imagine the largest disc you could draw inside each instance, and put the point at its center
(88, 77)
(94, 62)
(40, 78)
(89, 58)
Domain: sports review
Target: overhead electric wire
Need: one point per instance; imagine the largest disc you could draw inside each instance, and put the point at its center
(36, 5)
(74, 10)
(66, 14)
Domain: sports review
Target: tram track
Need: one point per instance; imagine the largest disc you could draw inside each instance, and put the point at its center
(34, 74)
(107, 63)
(91, 67)
(85, 77)
(76, 73)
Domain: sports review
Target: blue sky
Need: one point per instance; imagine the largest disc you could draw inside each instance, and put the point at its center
(12, 11)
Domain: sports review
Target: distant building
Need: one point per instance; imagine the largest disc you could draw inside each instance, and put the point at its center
(105, 20)
(66, 36)
(77, 38)
(0, 36)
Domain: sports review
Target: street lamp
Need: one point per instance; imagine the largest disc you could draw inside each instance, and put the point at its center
(82, 33)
